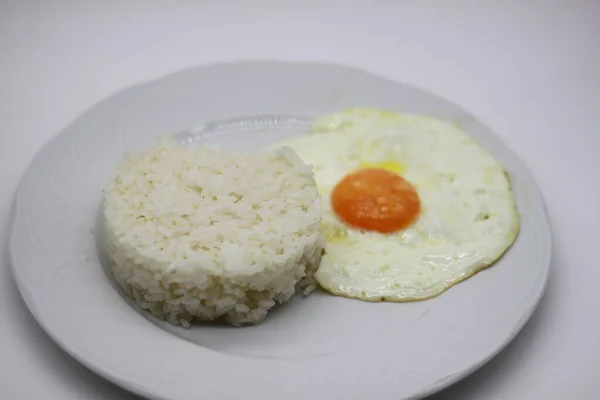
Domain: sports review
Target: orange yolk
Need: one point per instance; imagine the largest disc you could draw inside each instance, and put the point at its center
(375, 200)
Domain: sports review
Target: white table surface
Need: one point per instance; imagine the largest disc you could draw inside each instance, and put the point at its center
(529, 69)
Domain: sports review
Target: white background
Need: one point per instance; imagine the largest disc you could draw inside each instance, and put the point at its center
(530, 70)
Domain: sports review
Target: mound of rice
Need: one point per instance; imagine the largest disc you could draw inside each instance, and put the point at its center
(198, 233)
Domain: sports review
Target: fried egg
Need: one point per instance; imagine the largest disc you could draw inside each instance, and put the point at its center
(411, 204)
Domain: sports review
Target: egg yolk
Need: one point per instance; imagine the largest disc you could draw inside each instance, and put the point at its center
(375, 199)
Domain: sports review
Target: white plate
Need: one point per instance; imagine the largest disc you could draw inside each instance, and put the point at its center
(321, 347)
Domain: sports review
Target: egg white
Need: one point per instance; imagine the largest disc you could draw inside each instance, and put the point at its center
(468, 216)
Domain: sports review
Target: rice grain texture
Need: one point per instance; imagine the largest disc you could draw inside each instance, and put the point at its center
(199, 233)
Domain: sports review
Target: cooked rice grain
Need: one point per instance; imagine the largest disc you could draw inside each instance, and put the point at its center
(198, 233)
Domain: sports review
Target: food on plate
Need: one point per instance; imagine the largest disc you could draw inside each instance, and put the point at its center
(375, 199)
(199, 233)
(411, 204)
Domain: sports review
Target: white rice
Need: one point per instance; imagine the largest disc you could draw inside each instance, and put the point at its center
(198, 234)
